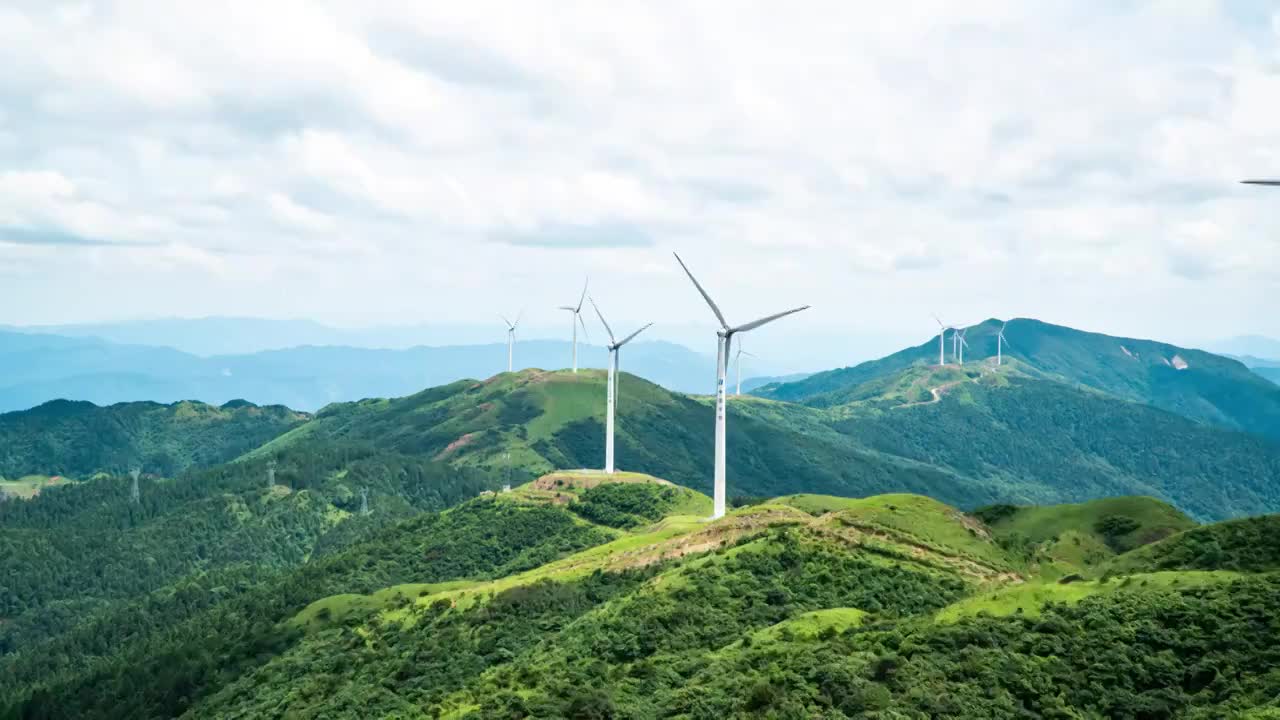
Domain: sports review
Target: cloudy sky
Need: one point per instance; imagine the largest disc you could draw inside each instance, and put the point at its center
(443, 162)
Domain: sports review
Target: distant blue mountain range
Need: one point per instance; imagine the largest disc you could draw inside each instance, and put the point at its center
(38, 367)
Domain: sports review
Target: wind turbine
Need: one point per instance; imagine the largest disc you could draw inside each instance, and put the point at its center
(577, 320)
(511, 337)
(134, 496)
(1000, 341)
(737, 368)
(724, 340)
(942, 341)
(611, 382)
(963, 344)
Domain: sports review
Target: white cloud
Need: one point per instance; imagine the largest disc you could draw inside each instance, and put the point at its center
(987, 158)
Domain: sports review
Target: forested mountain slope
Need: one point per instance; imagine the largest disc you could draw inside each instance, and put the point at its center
(1193, 383)
(523, 605)
(80, 548)
(80, 438)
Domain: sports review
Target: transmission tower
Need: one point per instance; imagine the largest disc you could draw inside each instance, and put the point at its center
(364, 501)
(271, 473)
(134, 496)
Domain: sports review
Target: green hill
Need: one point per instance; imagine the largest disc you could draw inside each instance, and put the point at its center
(80, 438)
(990, 437)
(1250, 544)
(540, 603)
(84, 547)
(1193, 383)
(1043, 442)
(1064, 539)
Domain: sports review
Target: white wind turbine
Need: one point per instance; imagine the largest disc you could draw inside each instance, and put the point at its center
(737, 368)
(611, 384)
(724, 340)
(577, 320)
(511, 337)
(1000, 342)
(959, 334)
(942, 341)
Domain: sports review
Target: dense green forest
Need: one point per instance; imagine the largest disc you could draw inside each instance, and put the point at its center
(523, 605)
(79, 438)
(153, 655)
(77, 547)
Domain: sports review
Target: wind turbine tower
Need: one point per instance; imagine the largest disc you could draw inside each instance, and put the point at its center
(135, 497)
(737, 369)
(724, 341)
(577, 320)
(271, 473)
(511, 338)
(364, 501)
(611, 384)
(942, 341)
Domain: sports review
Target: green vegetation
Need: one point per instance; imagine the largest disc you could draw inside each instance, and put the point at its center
(1038, 442)
(1196, 384)
(1031, 599)
(78, 439)
(1247, 544)
(1069, 539)
(1005, 438)
(158, 654)
(579, 595)
(84, 546)
(625, 505)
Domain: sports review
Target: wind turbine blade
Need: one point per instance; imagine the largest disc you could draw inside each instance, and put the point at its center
(517, 322)
(508, 322)
(765, 320)
(602, 320)
(963, 341)
(584, 294)
(744, 352)
(628, 338)
(935, 318)
(714, 308)
(570, 308)
(583, 323)
(1261, 182)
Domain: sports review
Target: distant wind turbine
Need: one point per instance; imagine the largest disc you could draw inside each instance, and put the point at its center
(942, 340)
(1000, 341)
(577, 320)
(134, 495)
(724, 340)
(611, 382)
(737, 368)
(511, 337)
(963, 344)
